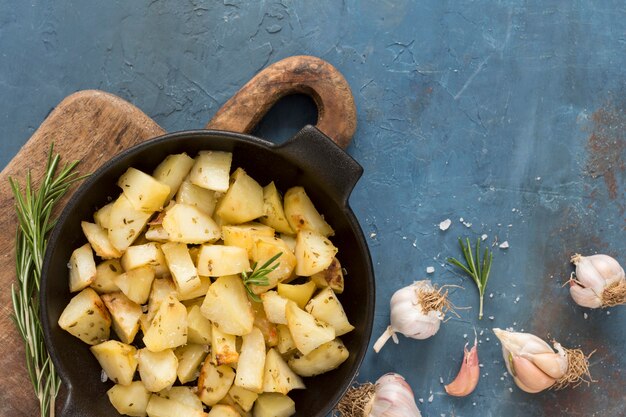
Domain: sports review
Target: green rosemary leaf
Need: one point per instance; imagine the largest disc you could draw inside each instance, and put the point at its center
(258, 277)
(34, 208)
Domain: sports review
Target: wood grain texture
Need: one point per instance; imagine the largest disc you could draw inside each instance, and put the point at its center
(297, 74)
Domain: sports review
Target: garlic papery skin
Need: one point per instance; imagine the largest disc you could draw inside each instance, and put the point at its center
(409, 316)
(393, 398)
(600, 281)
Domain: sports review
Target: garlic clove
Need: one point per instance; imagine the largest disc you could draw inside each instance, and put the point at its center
(394, 397)
(584, 297)
(552, 364)
(468, 376)
(530, 375)
(587, 274)
(524, 387)
(607, 267)
(522, 343)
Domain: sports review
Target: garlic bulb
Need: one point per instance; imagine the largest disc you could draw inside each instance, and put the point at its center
(416, 312)
(599, 282)
(391, 396)
(535, 366)
(467, 378)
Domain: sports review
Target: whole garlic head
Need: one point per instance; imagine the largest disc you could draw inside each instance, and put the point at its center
(600, 281)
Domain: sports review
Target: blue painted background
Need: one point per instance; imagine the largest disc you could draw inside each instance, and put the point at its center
(510, 115)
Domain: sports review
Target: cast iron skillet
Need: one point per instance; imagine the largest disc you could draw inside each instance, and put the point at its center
(309, 159)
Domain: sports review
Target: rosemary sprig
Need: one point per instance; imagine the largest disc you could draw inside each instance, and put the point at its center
(479, 272)
(34, 209)
(259, 277)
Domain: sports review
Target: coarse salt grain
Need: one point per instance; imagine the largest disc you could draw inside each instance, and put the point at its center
(504, 245)
(431, 398)
(430, 269)
(585, 315)
(444, 225)
(484, 237)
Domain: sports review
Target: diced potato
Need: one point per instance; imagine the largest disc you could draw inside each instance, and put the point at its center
(181, 266)
(270, 334)
(199, 291)
(183, 395)
(322, 359)
(131, 399)
(273, 404)
(223, 347)
(86, 317)
(274, 306)
(314, 253)
(300, 293)
(326, 307)
(146, 254)
(186, 224)
(117, 359)
(201, 198)
(244, 235)
(125, 315)
(243, 397)
(277, 376)
(99, 240)
(330, 277)
(302, 214)
(211, 170)
(273, 213)
(221, 410)
(163, 407)
(82, 268)
(265, 248)
(125, 223)
(251, 362)
(143, 191)
(198, 327)
(172, 171)
(214, 382)
(105, 273)
(285, 341)
(136, 283)
(169, 326)
(190, 359)
(157, 369)
(308, 333)
(220, 260)
(289, 240)
(161, 289)
(156, 233)
(243, 201)
(226, 304)
(102, 217)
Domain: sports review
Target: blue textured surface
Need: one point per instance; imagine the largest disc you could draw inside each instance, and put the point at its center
(508, 114)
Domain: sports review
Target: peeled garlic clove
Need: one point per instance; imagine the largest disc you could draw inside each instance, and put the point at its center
(552, 364)
(584, 297)
(530, 375)
(467, 378)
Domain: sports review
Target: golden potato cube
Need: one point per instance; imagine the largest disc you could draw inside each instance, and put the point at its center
(199, 291)
(157, 370)
(322, 359)
(226, 304)
(302, 214)
(183, 395)
(131, 399)
(125, 315)
(274, 306)
(186, 224)
(172, 171)
(164, 407)
(290, 241)
(201, 198)
(244, 235)
(308, 333)
(251, 362)
(273, 404)
(198, 326)
(330, 277)
(300, 293)
(82, 268)
(243, 202)
(86, 317)
(143, 191)
(285, 341)
(270, 334)
(266, 248)
(314, 253)
(277, 376)
(222, 410)
(220, 260)
(223, 347)
(326, 307)
(136, 283)
(214, 382)
(102, 217)
(211, 170)
(273, 212)
(190, 359)
(117, 359)
(161, 289)
(156, 233)
(105, 273)
(168, 328)
(125, 223)
(145, 254)
(181, 266)
(242, 397)
(99, 240)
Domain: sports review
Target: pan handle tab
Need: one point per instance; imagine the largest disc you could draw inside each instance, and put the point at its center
(297, 74)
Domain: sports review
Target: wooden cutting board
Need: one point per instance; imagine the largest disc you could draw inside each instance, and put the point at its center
(92, 126)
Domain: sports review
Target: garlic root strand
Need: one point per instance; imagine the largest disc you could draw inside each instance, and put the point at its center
(356, 402)
(614, 294)
(577, 370)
